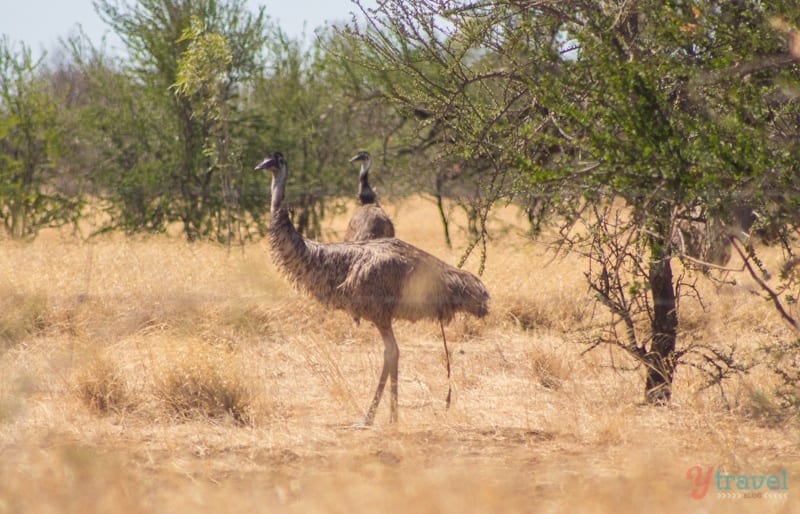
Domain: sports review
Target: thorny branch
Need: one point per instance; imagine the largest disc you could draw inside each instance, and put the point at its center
(747, 257)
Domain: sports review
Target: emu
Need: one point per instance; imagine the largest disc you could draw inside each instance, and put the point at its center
(369, 221)
(379, 280)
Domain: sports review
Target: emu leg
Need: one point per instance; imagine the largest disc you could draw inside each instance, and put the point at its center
(391, 356)
(393, 373)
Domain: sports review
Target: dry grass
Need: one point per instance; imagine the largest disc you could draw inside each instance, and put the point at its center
(102, 386)
(201, 379)
(148, 375)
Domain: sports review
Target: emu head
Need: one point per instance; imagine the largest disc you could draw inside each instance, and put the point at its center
(274, 162)
(361, 156)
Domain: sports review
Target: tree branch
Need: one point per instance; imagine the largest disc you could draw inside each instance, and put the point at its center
(776, 300)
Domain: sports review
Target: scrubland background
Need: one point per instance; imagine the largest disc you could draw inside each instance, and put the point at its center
(151, 375)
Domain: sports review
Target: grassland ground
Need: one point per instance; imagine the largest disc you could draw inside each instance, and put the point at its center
(152, 375)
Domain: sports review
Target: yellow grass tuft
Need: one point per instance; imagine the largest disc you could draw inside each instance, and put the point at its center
(197, 379)
(102, 387)
(550, 368)
(21, 316)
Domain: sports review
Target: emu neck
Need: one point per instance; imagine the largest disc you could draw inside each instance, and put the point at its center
(278, 190)
(288, 247)
(365, 192)
(282, 233)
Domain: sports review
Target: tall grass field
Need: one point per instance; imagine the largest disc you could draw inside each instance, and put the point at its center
(147, 374)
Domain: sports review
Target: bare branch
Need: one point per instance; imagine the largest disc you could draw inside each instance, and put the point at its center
(776, 300)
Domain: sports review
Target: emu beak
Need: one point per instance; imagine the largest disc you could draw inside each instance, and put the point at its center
(266, 163)
(357, 157)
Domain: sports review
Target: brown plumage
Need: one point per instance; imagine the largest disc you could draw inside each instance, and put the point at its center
(378, 280)
(370, 221)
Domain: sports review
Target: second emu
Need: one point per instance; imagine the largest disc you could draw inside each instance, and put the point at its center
(378, 280)
(370, 221)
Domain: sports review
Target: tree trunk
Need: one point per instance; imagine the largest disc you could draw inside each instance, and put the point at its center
(661, 357)
(440, 206)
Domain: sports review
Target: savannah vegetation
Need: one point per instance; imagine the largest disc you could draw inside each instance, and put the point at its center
(623, 175)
